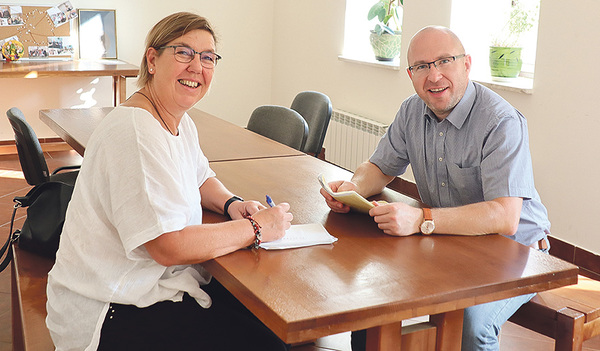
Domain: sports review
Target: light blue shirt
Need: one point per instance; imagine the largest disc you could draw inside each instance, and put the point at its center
(480, 152)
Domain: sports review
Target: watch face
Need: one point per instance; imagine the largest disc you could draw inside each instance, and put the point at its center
(427, 227)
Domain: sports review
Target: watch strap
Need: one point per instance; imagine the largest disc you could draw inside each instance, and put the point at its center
(427, 216)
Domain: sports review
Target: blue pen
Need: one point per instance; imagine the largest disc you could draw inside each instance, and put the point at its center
(270, 201)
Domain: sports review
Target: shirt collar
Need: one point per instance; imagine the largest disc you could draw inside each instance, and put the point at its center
(460, 112)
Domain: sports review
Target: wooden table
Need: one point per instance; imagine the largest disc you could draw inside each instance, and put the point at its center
(220, 140)
(367, 279)
(34, 68)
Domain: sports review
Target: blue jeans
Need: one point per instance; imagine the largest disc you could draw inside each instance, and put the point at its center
(482, 323)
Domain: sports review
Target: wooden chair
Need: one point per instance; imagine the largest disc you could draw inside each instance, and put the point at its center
(570, 315)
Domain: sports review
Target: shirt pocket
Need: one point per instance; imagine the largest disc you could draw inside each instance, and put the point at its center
(465, 184)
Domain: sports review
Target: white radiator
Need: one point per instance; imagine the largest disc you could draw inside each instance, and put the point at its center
(351, 139)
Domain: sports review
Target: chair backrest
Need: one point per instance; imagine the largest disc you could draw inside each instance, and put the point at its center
(281, 124)
(31, 157)
(316, 109)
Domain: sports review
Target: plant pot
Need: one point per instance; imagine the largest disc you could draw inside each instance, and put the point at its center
(505, 62)
(386, 46)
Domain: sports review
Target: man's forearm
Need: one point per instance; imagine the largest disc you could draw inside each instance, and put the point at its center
(496, 216)
(369, 179)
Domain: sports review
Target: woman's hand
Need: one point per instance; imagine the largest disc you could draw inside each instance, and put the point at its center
(241, 209)
(274, 221)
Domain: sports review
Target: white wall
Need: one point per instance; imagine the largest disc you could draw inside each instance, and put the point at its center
(242, 79)
(559, 112)
(275, 48)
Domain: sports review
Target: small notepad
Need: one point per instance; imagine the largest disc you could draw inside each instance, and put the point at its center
(350, 198)
(301, 235)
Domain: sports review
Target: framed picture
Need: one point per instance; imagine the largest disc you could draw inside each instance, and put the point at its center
(97, 34)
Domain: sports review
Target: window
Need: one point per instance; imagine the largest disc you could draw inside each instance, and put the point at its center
(357, 30)
(477, 23)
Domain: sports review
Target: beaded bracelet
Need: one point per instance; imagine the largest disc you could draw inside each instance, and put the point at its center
(257, 234)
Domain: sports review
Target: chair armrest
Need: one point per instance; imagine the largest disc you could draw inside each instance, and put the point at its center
(59, 169)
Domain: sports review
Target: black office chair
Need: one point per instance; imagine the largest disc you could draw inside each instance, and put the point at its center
(281, 124)
(316, 109)
(31, 157)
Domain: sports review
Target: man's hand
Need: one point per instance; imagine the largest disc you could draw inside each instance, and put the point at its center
(396, 218)
(337, 186)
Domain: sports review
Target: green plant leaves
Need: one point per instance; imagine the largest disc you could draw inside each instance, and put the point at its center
(385, 10)
(378, 10)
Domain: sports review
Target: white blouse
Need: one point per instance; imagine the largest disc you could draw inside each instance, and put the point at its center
(136, 182)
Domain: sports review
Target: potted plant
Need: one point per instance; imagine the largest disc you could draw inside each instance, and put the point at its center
(505, 51)
(386, 37)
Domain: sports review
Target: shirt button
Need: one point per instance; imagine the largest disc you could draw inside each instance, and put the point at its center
(440, 159)
(443, 184)
(441, 133)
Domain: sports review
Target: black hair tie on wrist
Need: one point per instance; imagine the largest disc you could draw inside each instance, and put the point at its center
(228, 203)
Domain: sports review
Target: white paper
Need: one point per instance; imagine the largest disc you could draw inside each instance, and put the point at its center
(301, 235)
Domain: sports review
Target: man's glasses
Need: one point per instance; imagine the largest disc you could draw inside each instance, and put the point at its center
(185, 54)
(422, 69)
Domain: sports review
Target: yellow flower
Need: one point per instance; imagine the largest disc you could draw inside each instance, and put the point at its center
(13, 50)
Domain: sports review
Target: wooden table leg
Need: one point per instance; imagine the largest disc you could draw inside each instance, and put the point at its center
(384, 338)
(119, 90)
(449, 330)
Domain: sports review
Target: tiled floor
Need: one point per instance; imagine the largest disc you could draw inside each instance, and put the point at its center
(12, 183)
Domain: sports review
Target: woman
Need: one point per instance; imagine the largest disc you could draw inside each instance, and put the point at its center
(127, 273)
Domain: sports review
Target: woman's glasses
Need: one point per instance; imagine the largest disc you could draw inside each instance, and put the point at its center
(185, 54)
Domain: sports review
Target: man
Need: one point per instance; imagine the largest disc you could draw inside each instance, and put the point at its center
(469, 153)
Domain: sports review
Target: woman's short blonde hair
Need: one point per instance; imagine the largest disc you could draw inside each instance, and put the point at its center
(167, 30)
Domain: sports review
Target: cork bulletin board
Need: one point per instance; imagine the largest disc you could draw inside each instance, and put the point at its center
(43, 30)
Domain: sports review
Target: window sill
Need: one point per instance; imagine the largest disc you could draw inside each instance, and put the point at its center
(517, 85)
(393, 65)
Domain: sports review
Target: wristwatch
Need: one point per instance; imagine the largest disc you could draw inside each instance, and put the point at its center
(427, 227)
